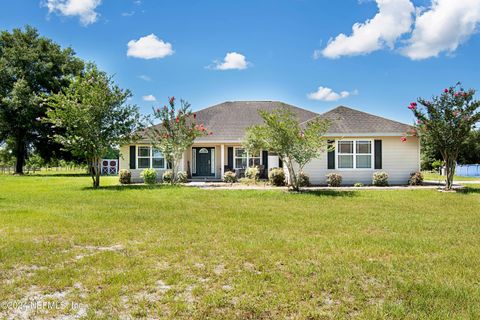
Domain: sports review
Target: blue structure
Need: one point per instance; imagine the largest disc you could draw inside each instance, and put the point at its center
(468, 170)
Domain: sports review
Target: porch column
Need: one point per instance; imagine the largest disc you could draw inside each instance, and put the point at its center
(222, 160)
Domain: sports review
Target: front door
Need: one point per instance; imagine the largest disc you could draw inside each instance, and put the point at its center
(203, 159)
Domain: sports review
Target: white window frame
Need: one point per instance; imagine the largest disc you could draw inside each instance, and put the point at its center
(151, 159)
(163, 157)
(248, 157)
(354, 154)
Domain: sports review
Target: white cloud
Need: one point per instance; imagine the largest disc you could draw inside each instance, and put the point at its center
(145, 77)
(232, 61)
(149, 47)
(445, 26)
(85, 9)
(327, 94)
(394, 18)
(149, 98)
(128, 14)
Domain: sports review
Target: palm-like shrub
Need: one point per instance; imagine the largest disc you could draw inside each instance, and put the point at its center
(416, 179)
(252, 173)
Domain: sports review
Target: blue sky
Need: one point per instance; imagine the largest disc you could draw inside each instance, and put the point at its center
(289, 50)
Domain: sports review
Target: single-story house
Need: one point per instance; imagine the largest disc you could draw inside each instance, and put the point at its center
(364, 143)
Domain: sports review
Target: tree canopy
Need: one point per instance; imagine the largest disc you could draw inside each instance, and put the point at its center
(294, 143)
(31, 67)
(445, 122)
(94, 116)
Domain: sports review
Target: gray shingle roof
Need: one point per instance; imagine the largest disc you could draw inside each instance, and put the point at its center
(229, 120)
(347, 120)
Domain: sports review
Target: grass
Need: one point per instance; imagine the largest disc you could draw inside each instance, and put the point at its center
(437, 177)
(171, 252)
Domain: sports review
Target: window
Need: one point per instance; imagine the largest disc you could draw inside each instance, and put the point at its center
(345, 154)
(364, 154)
(143, 157)
(242, 159)
(254, 160)
(150, 158)
(158, 160)
(354, 154)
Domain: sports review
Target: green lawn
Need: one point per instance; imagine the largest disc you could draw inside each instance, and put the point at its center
(436, 177)
(191, 253)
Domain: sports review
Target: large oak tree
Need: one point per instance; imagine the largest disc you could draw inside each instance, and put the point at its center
(31, 68)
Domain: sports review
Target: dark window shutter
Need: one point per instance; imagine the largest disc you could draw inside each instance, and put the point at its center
(133, 157)
(331, 155)
(280, 162)
(169, 165)
(230, 158)
(265, 164)
(265, 159)
(378, 154)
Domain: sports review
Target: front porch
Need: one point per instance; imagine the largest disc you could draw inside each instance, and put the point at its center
(209, 161)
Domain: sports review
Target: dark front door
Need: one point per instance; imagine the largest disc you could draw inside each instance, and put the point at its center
(204, 165)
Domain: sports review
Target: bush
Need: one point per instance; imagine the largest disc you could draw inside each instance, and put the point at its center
(252, 173)
(149, 176)
(359, 184)
(276, 176)
(182, 177)
(416, 179)
(334, 180)
(303, 180)
(230, 177)
(380, 179)
(436, 165)
(125, 176)
(167, 176)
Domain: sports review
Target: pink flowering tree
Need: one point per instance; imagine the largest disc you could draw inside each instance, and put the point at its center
(444, 123)
(175, 132)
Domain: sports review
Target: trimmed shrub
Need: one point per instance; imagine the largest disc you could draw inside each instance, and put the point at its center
(230, 177)
(358, 184)
(252, 173)
(380, 179)
(416, 179)
(125, 176)
(303, 180)
(167, 176)
(182, 177)
(276, 176)
(334, 180)
(149, 176)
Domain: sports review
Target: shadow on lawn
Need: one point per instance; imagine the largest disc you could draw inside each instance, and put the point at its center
(468, 190)
(53, 174)
(330, 193)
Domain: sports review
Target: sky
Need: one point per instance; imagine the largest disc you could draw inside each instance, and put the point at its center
(375, 56)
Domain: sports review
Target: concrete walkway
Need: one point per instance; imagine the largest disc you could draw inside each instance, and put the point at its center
(265, 186)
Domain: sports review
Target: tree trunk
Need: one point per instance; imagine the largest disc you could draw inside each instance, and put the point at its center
(20, 154)
(450, 163)
(95, 172)
(293, 181)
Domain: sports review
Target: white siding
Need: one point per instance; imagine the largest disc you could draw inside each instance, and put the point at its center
(399, 159)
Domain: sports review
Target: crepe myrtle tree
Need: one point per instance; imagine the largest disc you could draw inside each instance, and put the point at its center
(296, 144)
(94, 116)
(175, 133)
(445, 121)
